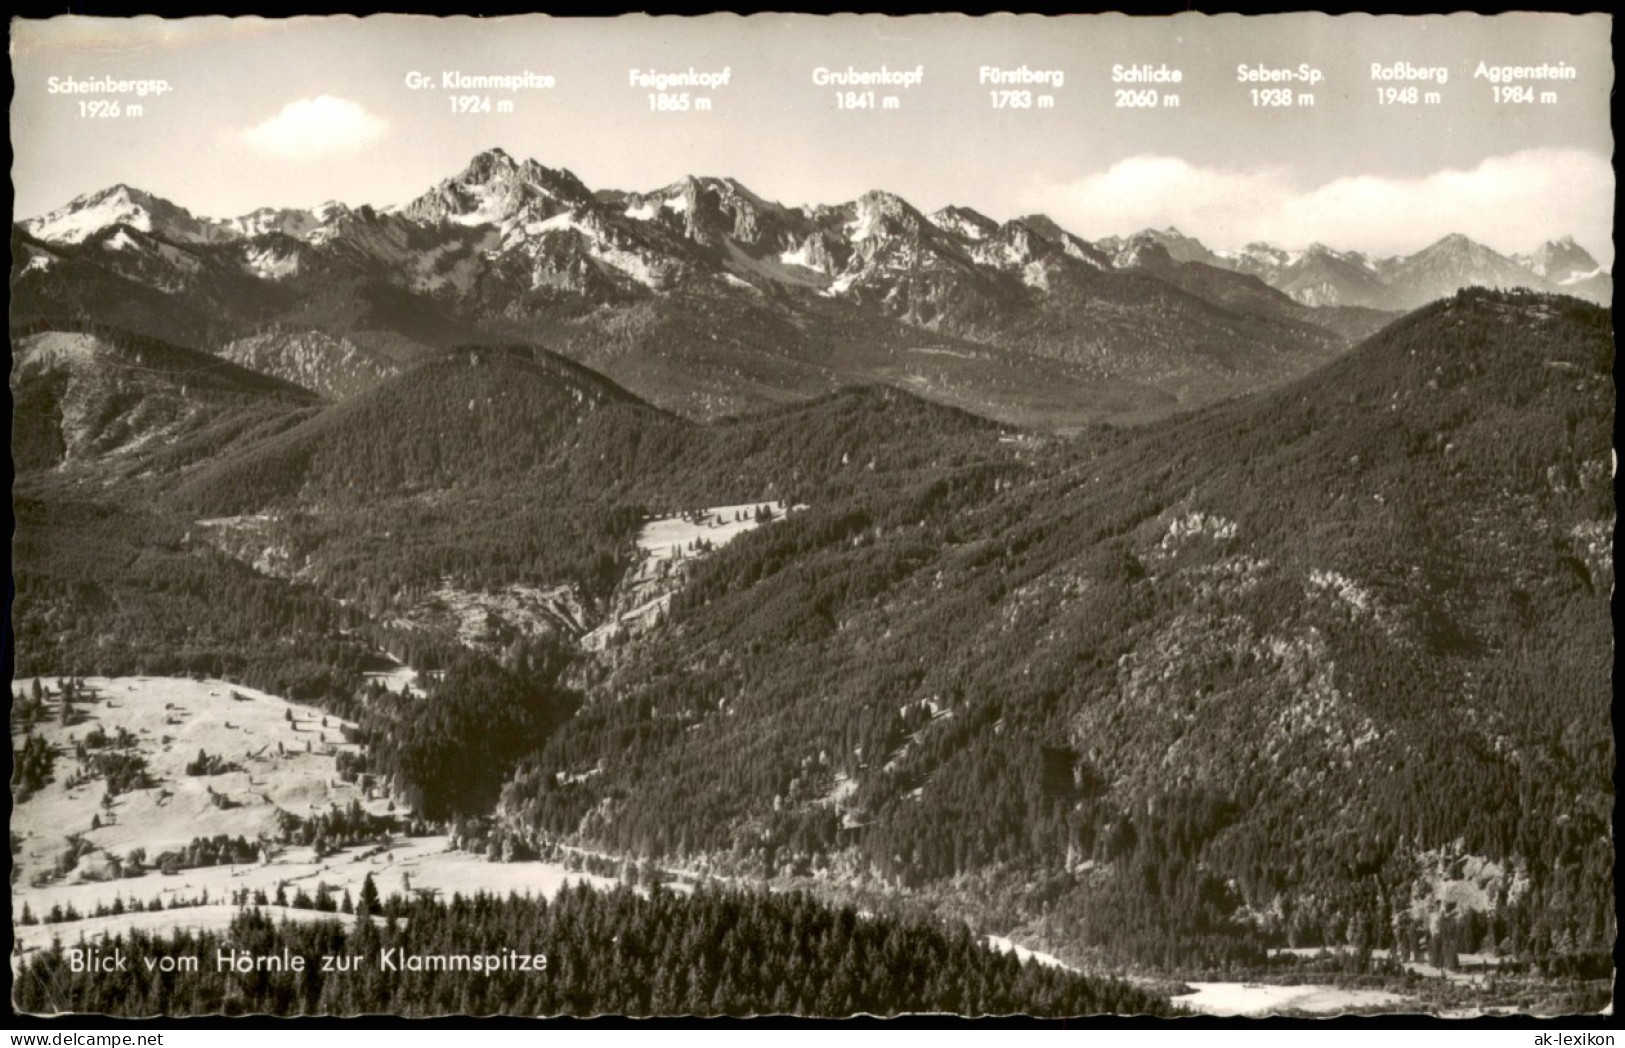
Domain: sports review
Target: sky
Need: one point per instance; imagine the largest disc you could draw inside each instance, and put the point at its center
(292, 113)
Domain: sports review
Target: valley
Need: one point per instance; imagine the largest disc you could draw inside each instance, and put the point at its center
(497, 624)
(1235, 622)
(188, 801)
(133, 871)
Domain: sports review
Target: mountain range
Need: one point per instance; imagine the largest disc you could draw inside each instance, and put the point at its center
(1324, 276)
(707, 299)
(1113, 596)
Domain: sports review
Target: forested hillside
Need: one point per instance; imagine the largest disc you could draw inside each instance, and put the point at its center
(1240, 679)
(496, 465)
(86, 391)
(108, 590)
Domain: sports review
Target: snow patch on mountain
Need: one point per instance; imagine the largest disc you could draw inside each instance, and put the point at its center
(121, 205)
(652, 272)
(291, 222)
(801, 256)
(562, 220)
(1576, 278)
(840, 285)
(964, 222)
(666, 545)
(270, 263)
(644, 212)
(87, 216)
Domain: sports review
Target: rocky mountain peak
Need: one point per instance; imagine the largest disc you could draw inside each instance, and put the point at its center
(880, 214)
(1561, 260)
(964, 221)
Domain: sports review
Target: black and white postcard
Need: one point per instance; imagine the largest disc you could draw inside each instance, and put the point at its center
(809, 516)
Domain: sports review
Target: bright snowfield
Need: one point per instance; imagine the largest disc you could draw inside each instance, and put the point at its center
(668, 537)
(172, 719)
(1257, 999)
(1251, 999)
(1261, 999)
(665, 544)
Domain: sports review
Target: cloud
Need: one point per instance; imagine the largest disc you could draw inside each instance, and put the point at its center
(1512, 203)
(315, 127)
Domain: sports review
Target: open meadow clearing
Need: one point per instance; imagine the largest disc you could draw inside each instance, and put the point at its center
(81, 847)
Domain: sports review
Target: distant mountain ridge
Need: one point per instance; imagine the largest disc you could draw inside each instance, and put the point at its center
(708, 299)
(88, 395)
(1326, 276)
(525, 201)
